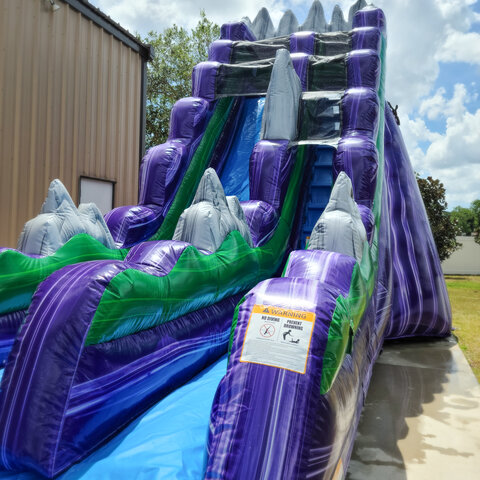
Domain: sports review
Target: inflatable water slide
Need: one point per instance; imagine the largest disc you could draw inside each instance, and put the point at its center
(279, 239)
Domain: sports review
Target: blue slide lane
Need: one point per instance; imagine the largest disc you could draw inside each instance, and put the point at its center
(235, 174)
(167, 441)
(318, 191)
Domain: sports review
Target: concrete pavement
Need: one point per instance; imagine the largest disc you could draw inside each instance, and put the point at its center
(421, 418)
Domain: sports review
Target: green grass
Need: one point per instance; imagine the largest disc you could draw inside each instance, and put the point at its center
(464, 295)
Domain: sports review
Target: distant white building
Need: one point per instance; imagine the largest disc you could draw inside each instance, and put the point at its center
(466, 260)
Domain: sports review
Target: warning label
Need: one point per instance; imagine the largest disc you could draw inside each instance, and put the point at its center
(278, 337)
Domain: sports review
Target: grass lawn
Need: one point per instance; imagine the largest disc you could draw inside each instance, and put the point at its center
(464, 295)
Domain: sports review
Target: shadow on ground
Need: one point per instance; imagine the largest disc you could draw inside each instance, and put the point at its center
(419, 393)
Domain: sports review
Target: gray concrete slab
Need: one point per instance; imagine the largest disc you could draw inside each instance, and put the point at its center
(421, 418)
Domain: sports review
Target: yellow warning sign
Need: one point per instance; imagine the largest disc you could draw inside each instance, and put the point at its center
(278, 337)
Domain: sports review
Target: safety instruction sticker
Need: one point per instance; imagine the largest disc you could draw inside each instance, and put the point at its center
(278, 337)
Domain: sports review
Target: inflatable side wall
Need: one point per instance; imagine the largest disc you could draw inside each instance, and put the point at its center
(420, 300)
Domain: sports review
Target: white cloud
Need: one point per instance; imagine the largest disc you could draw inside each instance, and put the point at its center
(461, 184)
(452, 156)
(155, 15)
(460, 47)
(459, 145)
(460, 14)
(434, 106)
(438, 106)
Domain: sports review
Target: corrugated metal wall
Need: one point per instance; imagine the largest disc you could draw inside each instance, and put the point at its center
(70, 98)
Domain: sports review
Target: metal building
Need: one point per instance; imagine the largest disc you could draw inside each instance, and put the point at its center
(72, 106)
(466, 260)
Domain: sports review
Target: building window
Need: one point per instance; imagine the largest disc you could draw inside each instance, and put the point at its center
(98, 191)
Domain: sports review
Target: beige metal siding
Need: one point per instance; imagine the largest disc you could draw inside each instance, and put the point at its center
(466, 260)
(70, 99)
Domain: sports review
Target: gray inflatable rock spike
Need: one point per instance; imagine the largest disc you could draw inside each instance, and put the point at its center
(94, 223)
(288, 24)
(211, 217)
(338, 23)
(248, 22)
(341, 197)
(59, 220)
(237, 211)
(280, 113)
(57, 194)
(315, 21)
(262, 25)
(358, 5)
(210, 189)
(340, 227)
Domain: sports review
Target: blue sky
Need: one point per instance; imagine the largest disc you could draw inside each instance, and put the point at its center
(433, 71)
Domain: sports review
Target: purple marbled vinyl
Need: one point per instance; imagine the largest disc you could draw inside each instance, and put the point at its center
(370, 17)
(204, 80)
(156, 258)
(302, 42)
(363, 69)
(188, 119)
(236, 31)
(420, 304)
(360, 112)
(366, 38)
(9, 326)
(262, 219)
(220, 51)
(31, 368)
(48, 352)
(270, 166)
(368, 221)
(10, 323)
(357, 156)
(259, 412)
(300, 64)
(131, 224)
(331, 268)
(161, 172)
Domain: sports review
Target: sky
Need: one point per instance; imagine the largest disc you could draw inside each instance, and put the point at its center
(433, 71)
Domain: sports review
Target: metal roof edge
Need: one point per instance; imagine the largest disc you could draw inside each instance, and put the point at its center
(104, 21)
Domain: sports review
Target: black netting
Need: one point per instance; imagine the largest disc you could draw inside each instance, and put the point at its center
(324, 73)
(244, 79)
(253, 51)
(327, 73)
(320, 115)
(335, 43)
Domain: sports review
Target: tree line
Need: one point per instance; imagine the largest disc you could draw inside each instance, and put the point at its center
(447, 226)
(169, 74)
(467, 219)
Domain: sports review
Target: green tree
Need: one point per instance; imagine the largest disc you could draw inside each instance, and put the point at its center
(465, 219)
(443, 227)
(475, 208)
(177, 51)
